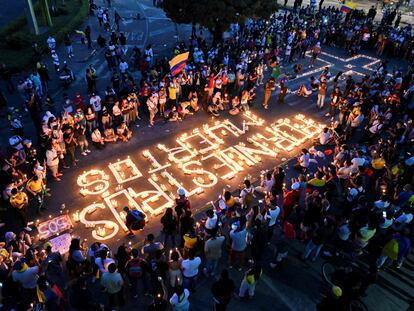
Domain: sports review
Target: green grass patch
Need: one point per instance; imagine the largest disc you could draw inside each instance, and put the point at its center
(16, 47)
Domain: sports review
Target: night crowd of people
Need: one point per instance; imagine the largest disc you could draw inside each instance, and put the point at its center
(352, 193)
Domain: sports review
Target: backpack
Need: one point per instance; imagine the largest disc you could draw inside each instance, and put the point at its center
(139, 221)
(135, 269)
(248, 198)
(179, 208)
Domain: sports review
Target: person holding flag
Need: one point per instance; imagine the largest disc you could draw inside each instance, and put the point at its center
(178, 63)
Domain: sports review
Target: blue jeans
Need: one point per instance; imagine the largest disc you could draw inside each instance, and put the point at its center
(190, 282)
(211, 265)
(312, 248)
(383, 258)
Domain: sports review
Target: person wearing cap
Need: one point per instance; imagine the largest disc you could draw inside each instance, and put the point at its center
(27, 278)
(20, 202)
(181, 203)
(291, 199)
(30, 151)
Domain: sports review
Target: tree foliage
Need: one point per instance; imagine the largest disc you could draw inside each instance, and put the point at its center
(217, 15)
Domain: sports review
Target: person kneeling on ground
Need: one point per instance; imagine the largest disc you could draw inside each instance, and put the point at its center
(134, 220)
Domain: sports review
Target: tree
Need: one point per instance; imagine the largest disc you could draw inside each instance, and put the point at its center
(217, 15)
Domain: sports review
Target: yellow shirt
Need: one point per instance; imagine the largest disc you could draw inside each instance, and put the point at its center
(172, 92)
(378, 163)
(35, 186)
(18, 200)
(189, 242)
(230, 202)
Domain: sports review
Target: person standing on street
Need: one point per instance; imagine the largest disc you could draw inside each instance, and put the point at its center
(238, 245)
(20, 202)
(113, 283)
(189, 268)
(249, 281)
(179, 300)
(88, 36)
(117, 19)
(316, 50)
(212, 250)
(269, 87)
(222, 291)
(68, 43)
(321, 93)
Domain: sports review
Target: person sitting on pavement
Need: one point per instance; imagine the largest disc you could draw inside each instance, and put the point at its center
(123, 132)
(97, 140)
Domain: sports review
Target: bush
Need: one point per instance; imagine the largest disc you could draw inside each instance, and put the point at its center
(18, 40)
(16, 48)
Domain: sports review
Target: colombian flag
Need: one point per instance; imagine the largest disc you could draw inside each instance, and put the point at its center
(178, 63)
(348, 6)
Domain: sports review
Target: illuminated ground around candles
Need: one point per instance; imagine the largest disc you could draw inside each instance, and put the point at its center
(204, 160)
(204, 155)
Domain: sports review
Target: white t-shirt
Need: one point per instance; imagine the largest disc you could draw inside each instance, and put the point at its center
(103, 266)
(272, 215)
(356, 162)
(96, 103)
(211, 223)
(376, 127)
(344, 172)
(324, 137)
(304, 160)
(52, 158)
(190, 267)
(28, 279)
(245, 191)
(268, 184)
